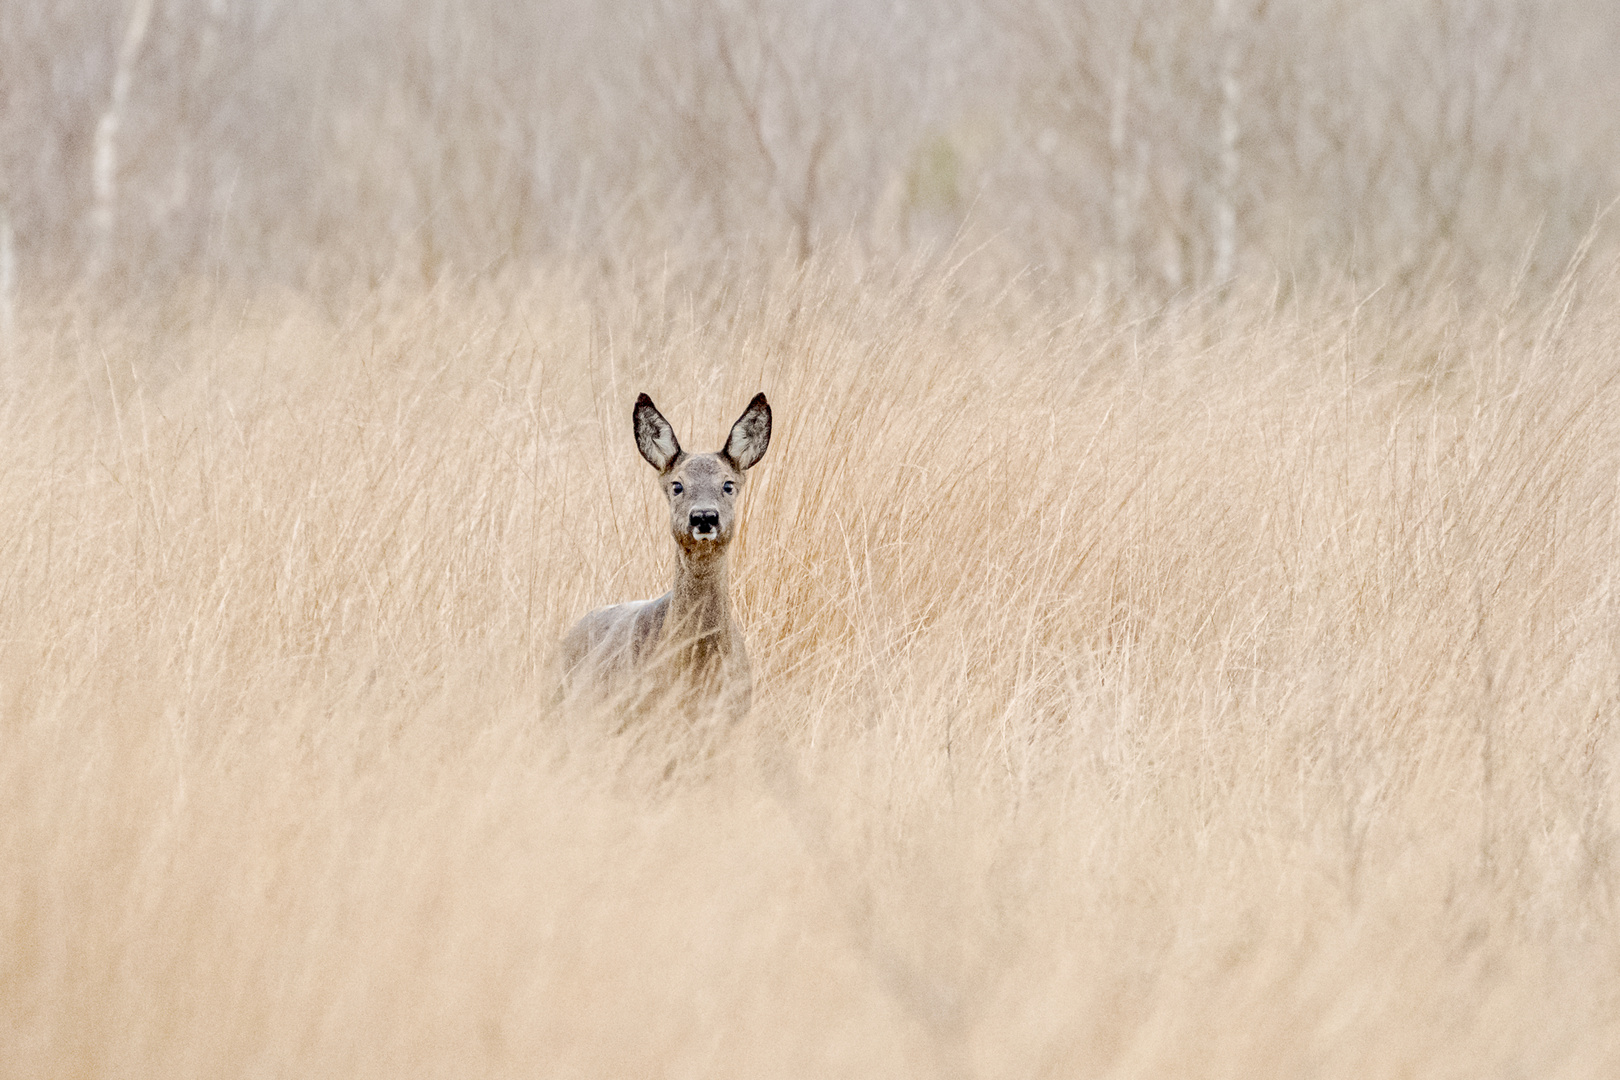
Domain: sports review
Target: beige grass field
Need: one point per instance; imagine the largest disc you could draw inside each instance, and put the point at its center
(1221, 691)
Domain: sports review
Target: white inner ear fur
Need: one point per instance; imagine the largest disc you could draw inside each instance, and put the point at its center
(664, 444)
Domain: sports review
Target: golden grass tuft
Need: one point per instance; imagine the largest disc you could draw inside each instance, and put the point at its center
(1229, 691)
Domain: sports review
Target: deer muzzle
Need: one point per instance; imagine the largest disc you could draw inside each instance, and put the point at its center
(705, 524)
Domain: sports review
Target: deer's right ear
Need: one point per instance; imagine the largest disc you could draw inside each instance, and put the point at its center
(654, 437)
(750, 435)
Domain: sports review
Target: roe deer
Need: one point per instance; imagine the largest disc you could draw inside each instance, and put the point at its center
(685, 643)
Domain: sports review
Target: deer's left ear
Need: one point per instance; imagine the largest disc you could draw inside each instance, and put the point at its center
(654, 437)
(750, 435)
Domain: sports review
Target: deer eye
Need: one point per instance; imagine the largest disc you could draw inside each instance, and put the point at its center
(675, 488)
(730, 487)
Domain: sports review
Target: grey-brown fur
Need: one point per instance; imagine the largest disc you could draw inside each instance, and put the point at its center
(685, 643)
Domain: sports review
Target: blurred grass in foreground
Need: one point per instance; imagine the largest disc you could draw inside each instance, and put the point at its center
(1226, 692)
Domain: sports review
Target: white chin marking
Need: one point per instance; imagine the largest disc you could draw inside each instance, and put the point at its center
(705, 534)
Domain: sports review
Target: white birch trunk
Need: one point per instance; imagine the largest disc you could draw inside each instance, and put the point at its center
(1226, 183)
(1124, 227)
(104, 166)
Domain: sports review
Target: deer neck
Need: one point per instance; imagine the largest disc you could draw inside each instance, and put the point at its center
(700, 602)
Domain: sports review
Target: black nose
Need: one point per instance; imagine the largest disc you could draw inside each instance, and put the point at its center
(705, 520)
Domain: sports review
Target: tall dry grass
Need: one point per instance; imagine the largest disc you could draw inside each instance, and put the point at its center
(1225, 692)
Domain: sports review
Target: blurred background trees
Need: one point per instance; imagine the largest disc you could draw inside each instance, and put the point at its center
(1157, 146)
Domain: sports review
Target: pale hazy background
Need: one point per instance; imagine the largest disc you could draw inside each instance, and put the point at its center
(1162, 143)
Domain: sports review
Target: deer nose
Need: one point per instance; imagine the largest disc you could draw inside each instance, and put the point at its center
(703, 521)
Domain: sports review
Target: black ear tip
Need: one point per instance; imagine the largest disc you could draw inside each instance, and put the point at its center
(759, 399)
(643, 399)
